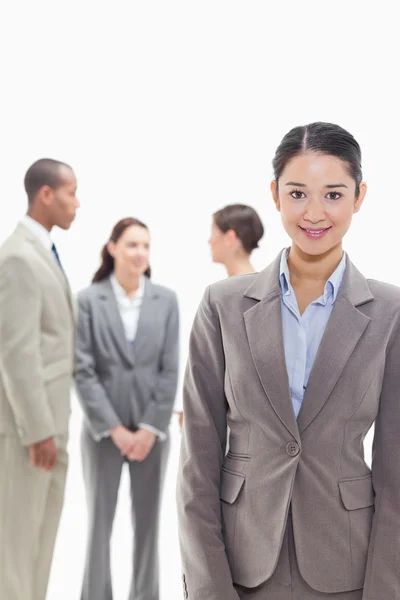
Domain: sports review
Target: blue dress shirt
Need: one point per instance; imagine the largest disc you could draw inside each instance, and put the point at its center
(302, 334)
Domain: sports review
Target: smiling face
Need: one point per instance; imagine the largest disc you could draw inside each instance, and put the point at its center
(317, 198)
(131, 251)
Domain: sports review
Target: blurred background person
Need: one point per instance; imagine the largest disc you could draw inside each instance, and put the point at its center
(36, 366)
(235, 232)
(126, 380)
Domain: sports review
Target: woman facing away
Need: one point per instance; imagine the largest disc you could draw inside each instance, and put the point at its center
(126, 379)
(299, 361)
(235, 232)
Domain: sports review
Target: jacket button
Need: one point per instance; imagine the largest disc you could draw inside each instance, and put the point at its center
(292, 448)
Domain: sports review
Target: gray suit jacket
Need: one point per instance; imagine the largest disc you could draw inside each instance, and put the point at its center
(36, 340)
(233, 506)
(117, 384)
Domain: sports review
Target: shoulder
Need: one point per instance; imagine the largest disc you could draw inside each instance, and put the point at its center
(90, 293)
(16, 249)
(230, 288)
(163, 292)
(387, 294)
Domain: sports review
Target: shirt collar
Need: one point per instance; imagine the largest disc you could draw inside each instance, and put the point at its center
(332, 286)
(121, 294)
(38, 230)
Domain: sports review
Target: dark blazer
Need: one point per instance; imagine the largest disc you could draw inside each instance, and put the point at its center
(233, 507)
(118, 384)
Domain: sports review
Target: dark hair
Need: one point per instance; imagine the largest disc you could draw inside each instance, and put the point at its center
(244, 221)
(322, 138)
(45, 171)
(107, 261)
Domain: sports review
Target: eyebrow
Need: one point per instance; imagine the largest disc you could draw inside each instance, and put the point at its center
(329, 186)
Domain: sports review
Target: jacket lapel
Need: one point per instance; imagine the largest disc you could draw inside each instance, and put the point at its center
(342, 334)
(113, 319)
(46, 255)
(263, 324)
(147, 316)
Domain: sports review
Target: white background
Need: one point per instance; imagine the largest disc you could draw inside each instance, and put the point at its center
(167, 111)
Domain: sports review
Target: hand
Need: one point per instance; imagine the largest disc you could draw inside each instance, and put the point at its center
(122, 438)
(43, 455)
(142, 445)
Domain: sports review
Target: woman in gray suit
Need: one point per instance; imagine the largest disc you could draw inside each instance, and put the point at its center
(299, 361)
(126, 379)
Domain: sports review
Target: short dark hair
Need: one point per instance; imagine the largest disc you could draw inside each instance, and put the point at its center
(322, 138)
(45, 171)
(244, 221)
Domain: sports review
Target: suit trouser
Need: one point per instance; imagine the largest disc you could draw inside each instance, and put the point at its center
(287, 583)
(30, 507)
(102, 467)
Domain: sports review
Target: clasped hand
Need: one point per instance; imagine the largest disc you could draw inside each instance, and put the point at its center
(134, 445)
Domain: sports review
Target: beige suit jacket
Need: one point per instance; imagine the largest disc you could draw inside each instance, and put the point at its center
(36, 340)
(233, 506)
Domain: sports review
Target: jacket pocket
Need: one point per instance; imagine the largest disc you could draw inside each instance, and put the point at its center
(237, 456)
(231, 484)
(357, 492)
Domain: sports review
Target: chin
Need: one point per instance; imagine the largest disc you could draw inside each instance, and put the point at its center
(314, 248)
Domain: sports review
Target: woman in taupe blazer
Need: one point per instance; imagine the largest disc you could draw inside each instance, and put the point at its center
(126, 379)
(298, 361)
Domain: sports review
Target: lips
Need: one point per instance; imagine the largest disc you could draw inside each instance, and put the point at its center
(315, 234)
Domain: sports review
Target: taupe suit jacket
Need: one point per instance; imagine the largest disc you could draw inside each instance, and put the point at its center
(118, 384)
(36, 340)
(233, 506)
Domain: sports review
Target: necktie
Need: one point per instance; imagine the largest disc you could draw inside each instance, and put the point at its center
(54, 251)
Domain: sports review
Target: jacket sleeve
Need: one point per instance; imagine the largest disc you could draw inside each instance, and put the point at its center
(382, 580)
(21, 367)
(99, 412)
(159, 409)
(205, 565)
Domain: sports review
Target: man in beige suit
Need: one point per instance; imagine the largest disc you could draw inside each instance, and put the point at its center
(36, 367)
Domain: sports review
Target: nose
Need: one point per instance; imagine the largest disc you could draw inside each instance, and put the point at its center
(314, 212)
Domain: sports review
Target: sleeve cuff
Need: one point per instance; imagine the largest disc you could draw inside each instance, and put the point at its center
(100, 436)
(160, 434)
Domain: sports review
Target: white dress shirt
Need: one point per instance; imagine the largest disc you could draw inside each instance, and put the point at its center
(129, 309)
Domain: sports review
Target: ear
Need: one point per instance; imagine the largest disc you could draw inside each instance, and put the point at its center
(360, 198)
(231, 237)
(111, 248)
(45, 195)
(275, 194)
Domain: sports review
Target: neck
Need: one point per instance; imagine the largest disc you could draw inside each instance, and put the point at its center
(35, 214)
(129, 282)
(305, 267)
(239, 266)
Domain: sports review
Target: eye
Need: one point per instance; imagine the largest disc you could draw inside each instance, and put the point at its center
(297, 194)
(334, 195)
